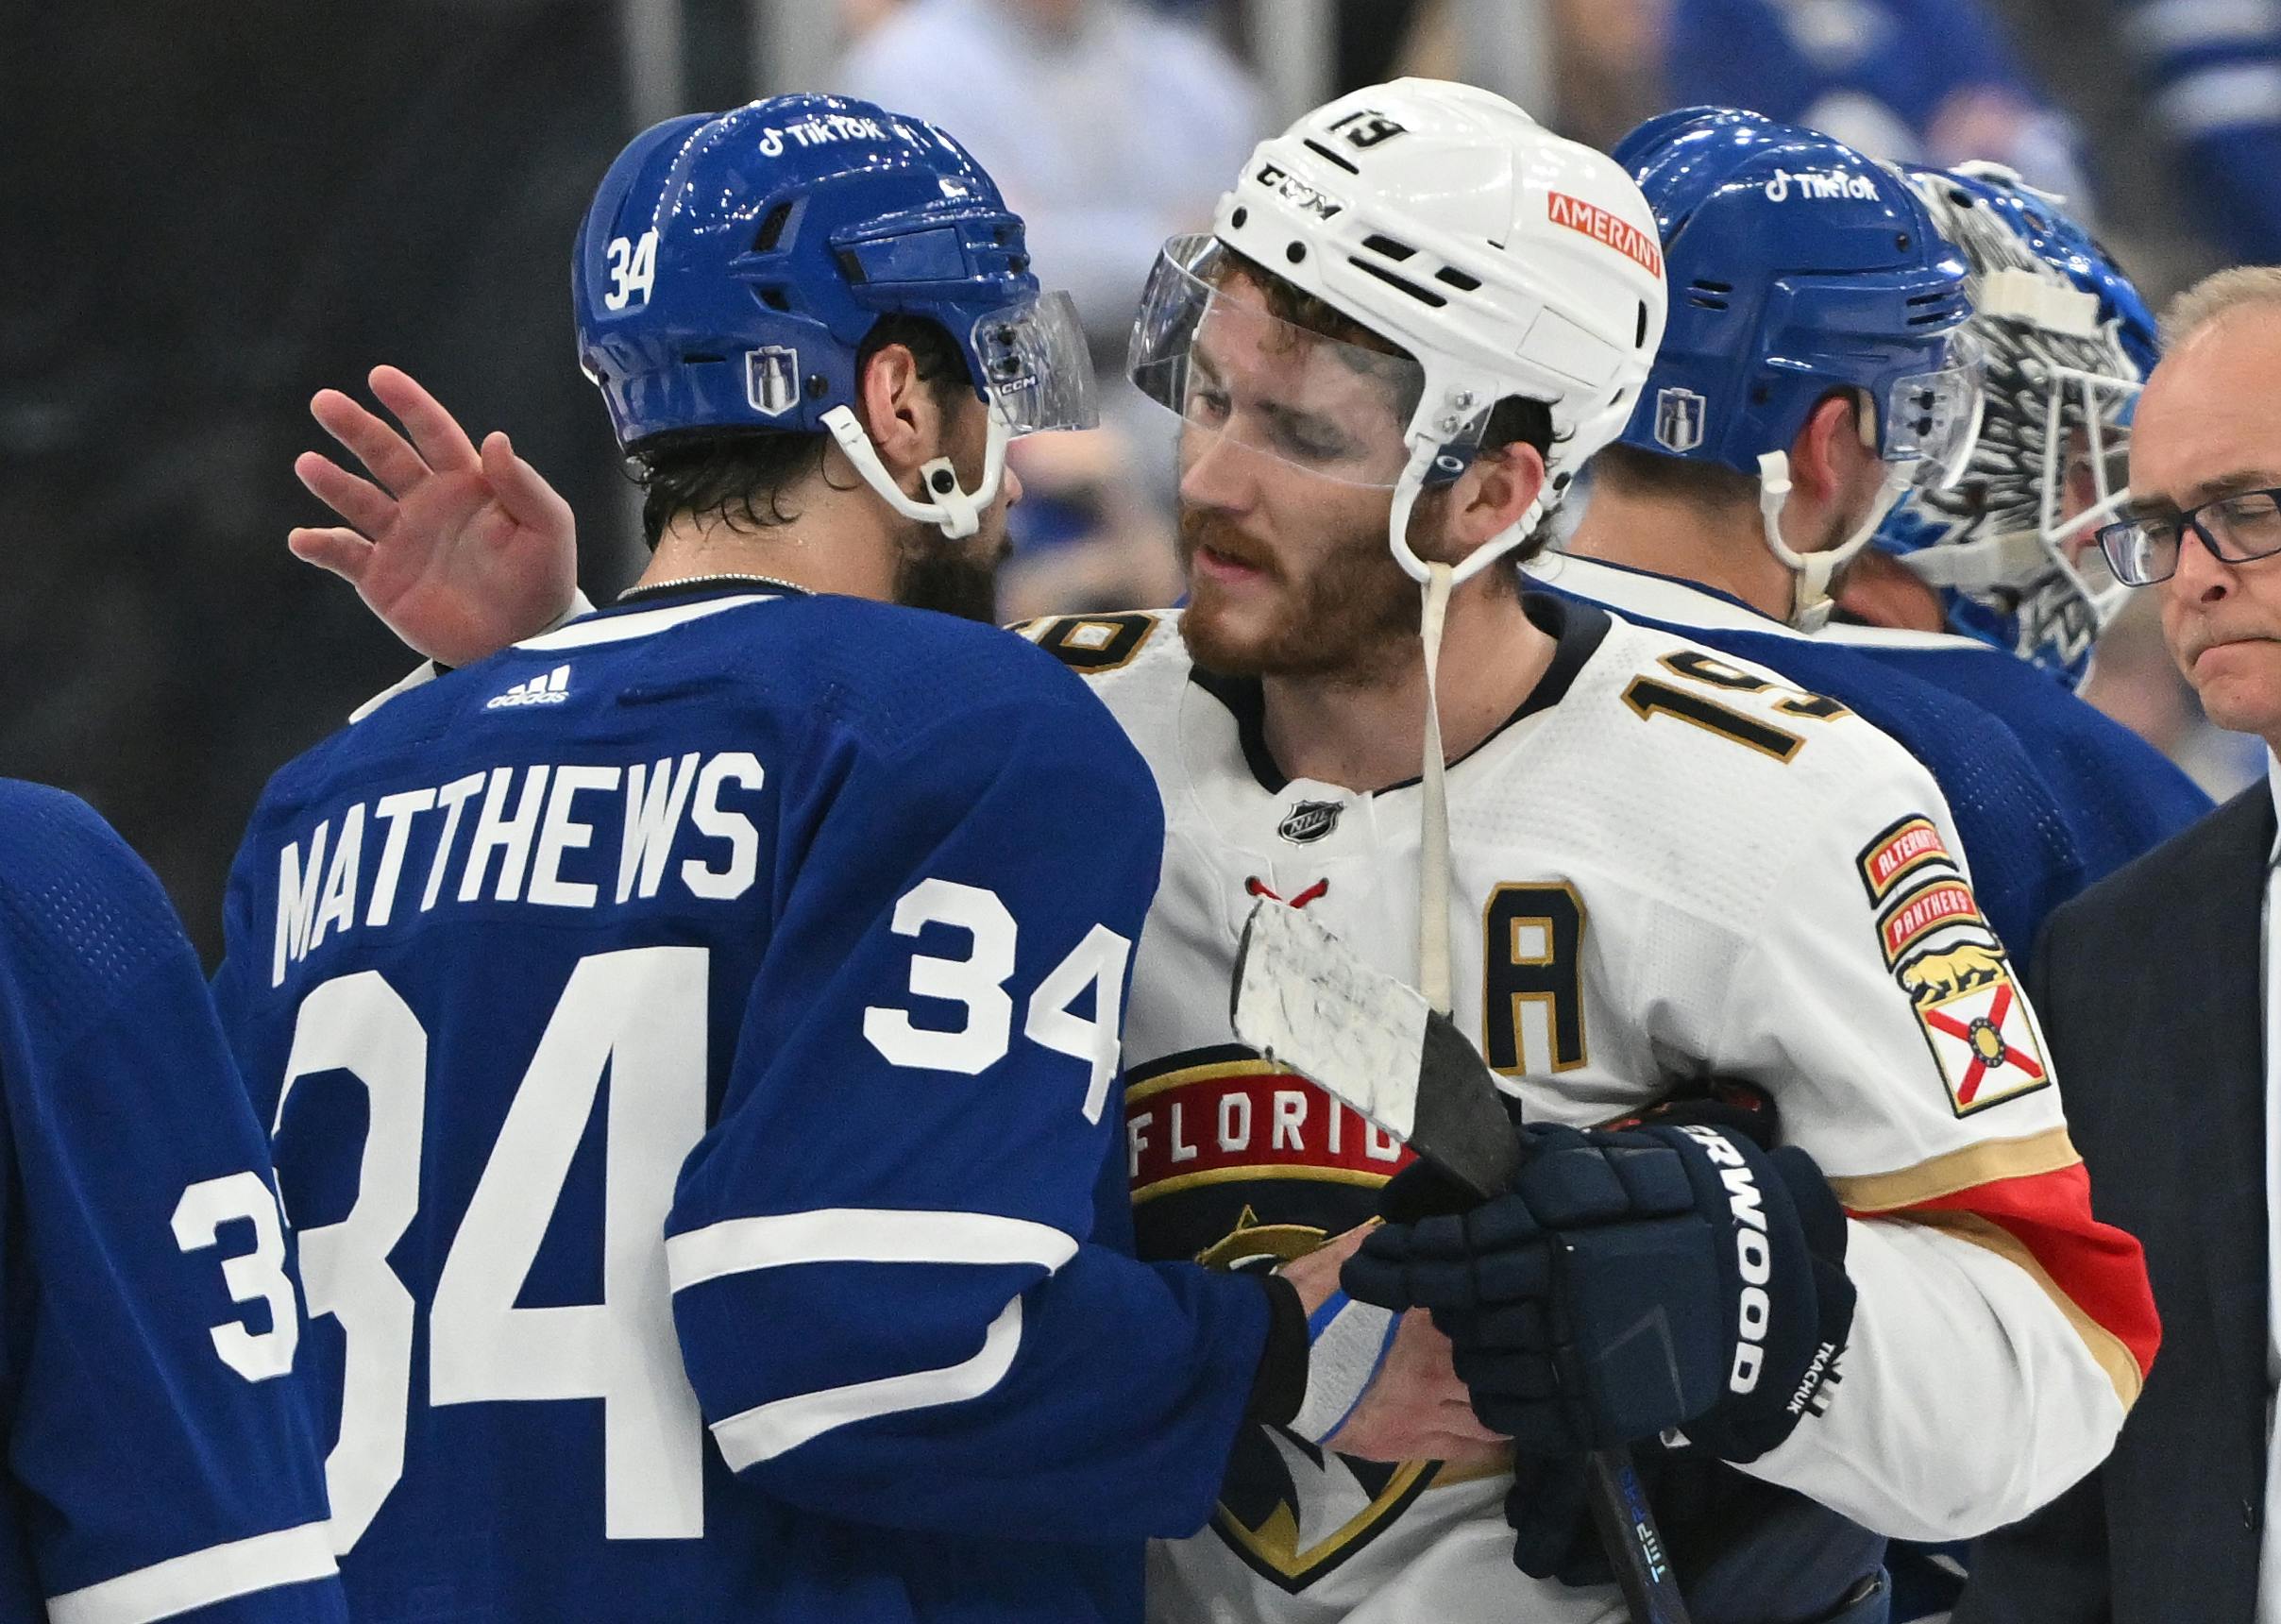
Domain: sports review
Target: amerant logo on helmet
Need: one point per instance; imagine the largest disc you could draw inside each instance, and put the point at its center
(1292, 189)
(1814, 186)
(1602, 227)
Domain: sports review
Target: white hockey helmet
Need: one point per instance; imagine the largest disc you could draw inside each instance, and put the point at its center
(1504, 259)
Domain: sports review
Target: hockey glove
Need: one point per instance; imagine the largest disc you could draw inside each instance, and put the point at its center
(1634, 1281)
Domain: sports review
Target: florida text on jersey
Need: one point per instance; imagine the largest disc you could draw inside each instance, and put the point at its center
(1669, 863)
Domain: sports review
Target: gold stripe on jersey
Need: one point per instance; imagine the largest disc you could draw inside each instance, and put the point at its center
(2113, 1357)
(1245, 1175)
(1866, 1195)
(1273, 1547)
(1255, 1067)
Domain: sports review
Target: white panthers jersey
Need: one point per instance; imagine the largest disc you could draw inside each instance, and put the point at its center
(1668, 866)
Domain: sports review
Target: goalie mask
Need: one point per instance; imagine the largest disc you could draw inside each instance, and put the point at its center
(2069, 342)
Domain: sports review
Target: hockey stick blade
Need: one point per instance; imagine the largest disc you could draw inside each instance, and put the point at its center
(1305, 1000)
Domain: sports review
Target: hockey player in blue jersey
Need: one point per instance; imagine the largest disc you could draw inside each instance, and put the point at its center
(693, 1033)
(160, 1457)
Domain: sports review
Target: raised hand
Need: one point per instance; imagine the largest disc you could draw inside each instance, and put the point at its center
(458, 553)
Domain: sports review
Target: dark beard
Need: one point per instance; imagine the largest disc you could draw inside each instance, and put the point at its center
(932, 572)
(1353, 616)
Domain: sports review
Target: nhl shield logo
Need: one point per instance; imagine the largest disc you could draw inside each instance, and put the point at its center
(1679, 420)
(1309, 821)
(772, 379)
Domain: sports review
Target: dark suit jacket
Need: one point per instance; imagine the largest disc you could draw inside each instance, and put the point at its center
(2152, 999)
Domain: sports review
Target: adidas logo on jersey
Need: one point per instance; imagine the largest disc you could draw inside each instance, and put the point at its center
(551, 689)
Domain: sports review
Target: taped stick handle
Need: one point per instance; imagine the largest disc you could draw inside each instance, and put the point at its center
(1492, 1154)
(1628, 1535)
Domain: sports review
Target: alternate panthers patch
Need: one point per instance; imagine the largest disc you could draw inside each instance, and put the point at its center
(1901, 850)
(1977, 1026)
(1919, 913)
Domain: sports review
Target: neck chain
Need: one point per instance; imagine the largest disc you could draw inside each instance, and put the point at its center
(688, 581)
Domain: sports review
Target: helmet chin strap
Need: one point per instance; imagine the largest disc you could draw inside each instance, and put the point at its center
(1435, 582)
(1812, 572)
(955, 511)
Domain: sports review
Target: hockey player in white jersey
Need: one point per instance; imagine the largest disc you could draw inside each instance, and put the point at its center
(1415, 317)
(1812, 313)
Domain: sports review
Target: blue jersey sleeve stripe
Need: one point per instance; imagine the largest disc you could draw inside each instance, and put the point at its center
(203, 1578)
(861, 1235)
(766, 1431)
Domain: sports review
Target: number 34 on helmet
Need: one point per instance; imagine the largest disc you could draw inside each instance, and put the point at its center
(732, 265)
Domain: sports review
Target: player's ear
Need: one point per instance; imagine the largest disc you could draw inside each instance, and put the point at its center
(1492, 495)
(898, 409)
(1827, 446)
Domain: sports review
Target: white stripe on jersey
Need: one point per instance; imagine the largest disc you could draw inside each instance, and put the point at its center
(620, 628)
(861, 1235)
(201, 1579)
(766, 1431)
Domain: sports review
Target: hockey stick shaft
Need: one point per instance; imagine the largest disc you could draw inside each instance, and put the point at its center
(1306, 1001)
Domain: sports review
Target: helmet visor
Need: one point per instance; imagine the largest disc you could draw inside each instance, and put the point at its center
(1248, 382)
(1931, 419)
(1036, 368)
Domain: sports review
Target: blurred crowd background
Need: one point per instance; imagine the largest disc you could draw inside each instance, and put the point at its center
(211, 212)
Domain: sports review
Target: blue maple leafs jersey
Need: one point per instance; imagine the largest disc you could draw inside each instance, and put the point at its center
(160, 1459)
(2049, 795)
(2120, 794)
(692, 1042)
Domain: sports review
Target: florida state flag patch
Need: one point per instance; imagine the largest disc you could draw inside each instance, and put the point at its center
(1978, 1027)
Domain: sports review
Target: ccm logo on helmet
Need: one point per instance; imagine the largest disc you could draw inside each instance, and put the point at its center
(1756, 1263)
(1601, 226)
(1816, 187)
(1296, 190)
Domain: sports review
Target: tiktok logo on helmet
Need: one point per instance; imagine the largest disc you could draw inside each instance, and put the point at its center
(1815, 185)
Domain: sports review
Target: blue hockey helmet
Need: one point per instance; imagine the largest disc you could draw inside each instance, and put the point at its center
(732, 265)
(2067, 342)
(1799, 266)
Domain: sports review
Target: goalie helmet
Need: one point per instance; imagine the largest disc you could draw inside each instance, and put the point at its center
(1500, 258)
(732, 265)
(2067, 342)
(1802, 267)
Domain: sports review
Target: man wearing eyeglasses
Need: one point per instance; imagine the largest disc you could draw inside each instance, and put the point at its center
(2160, 991)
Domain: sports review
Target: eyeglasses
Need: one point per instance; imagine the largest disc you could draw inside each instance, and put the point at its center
(2236, 529)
